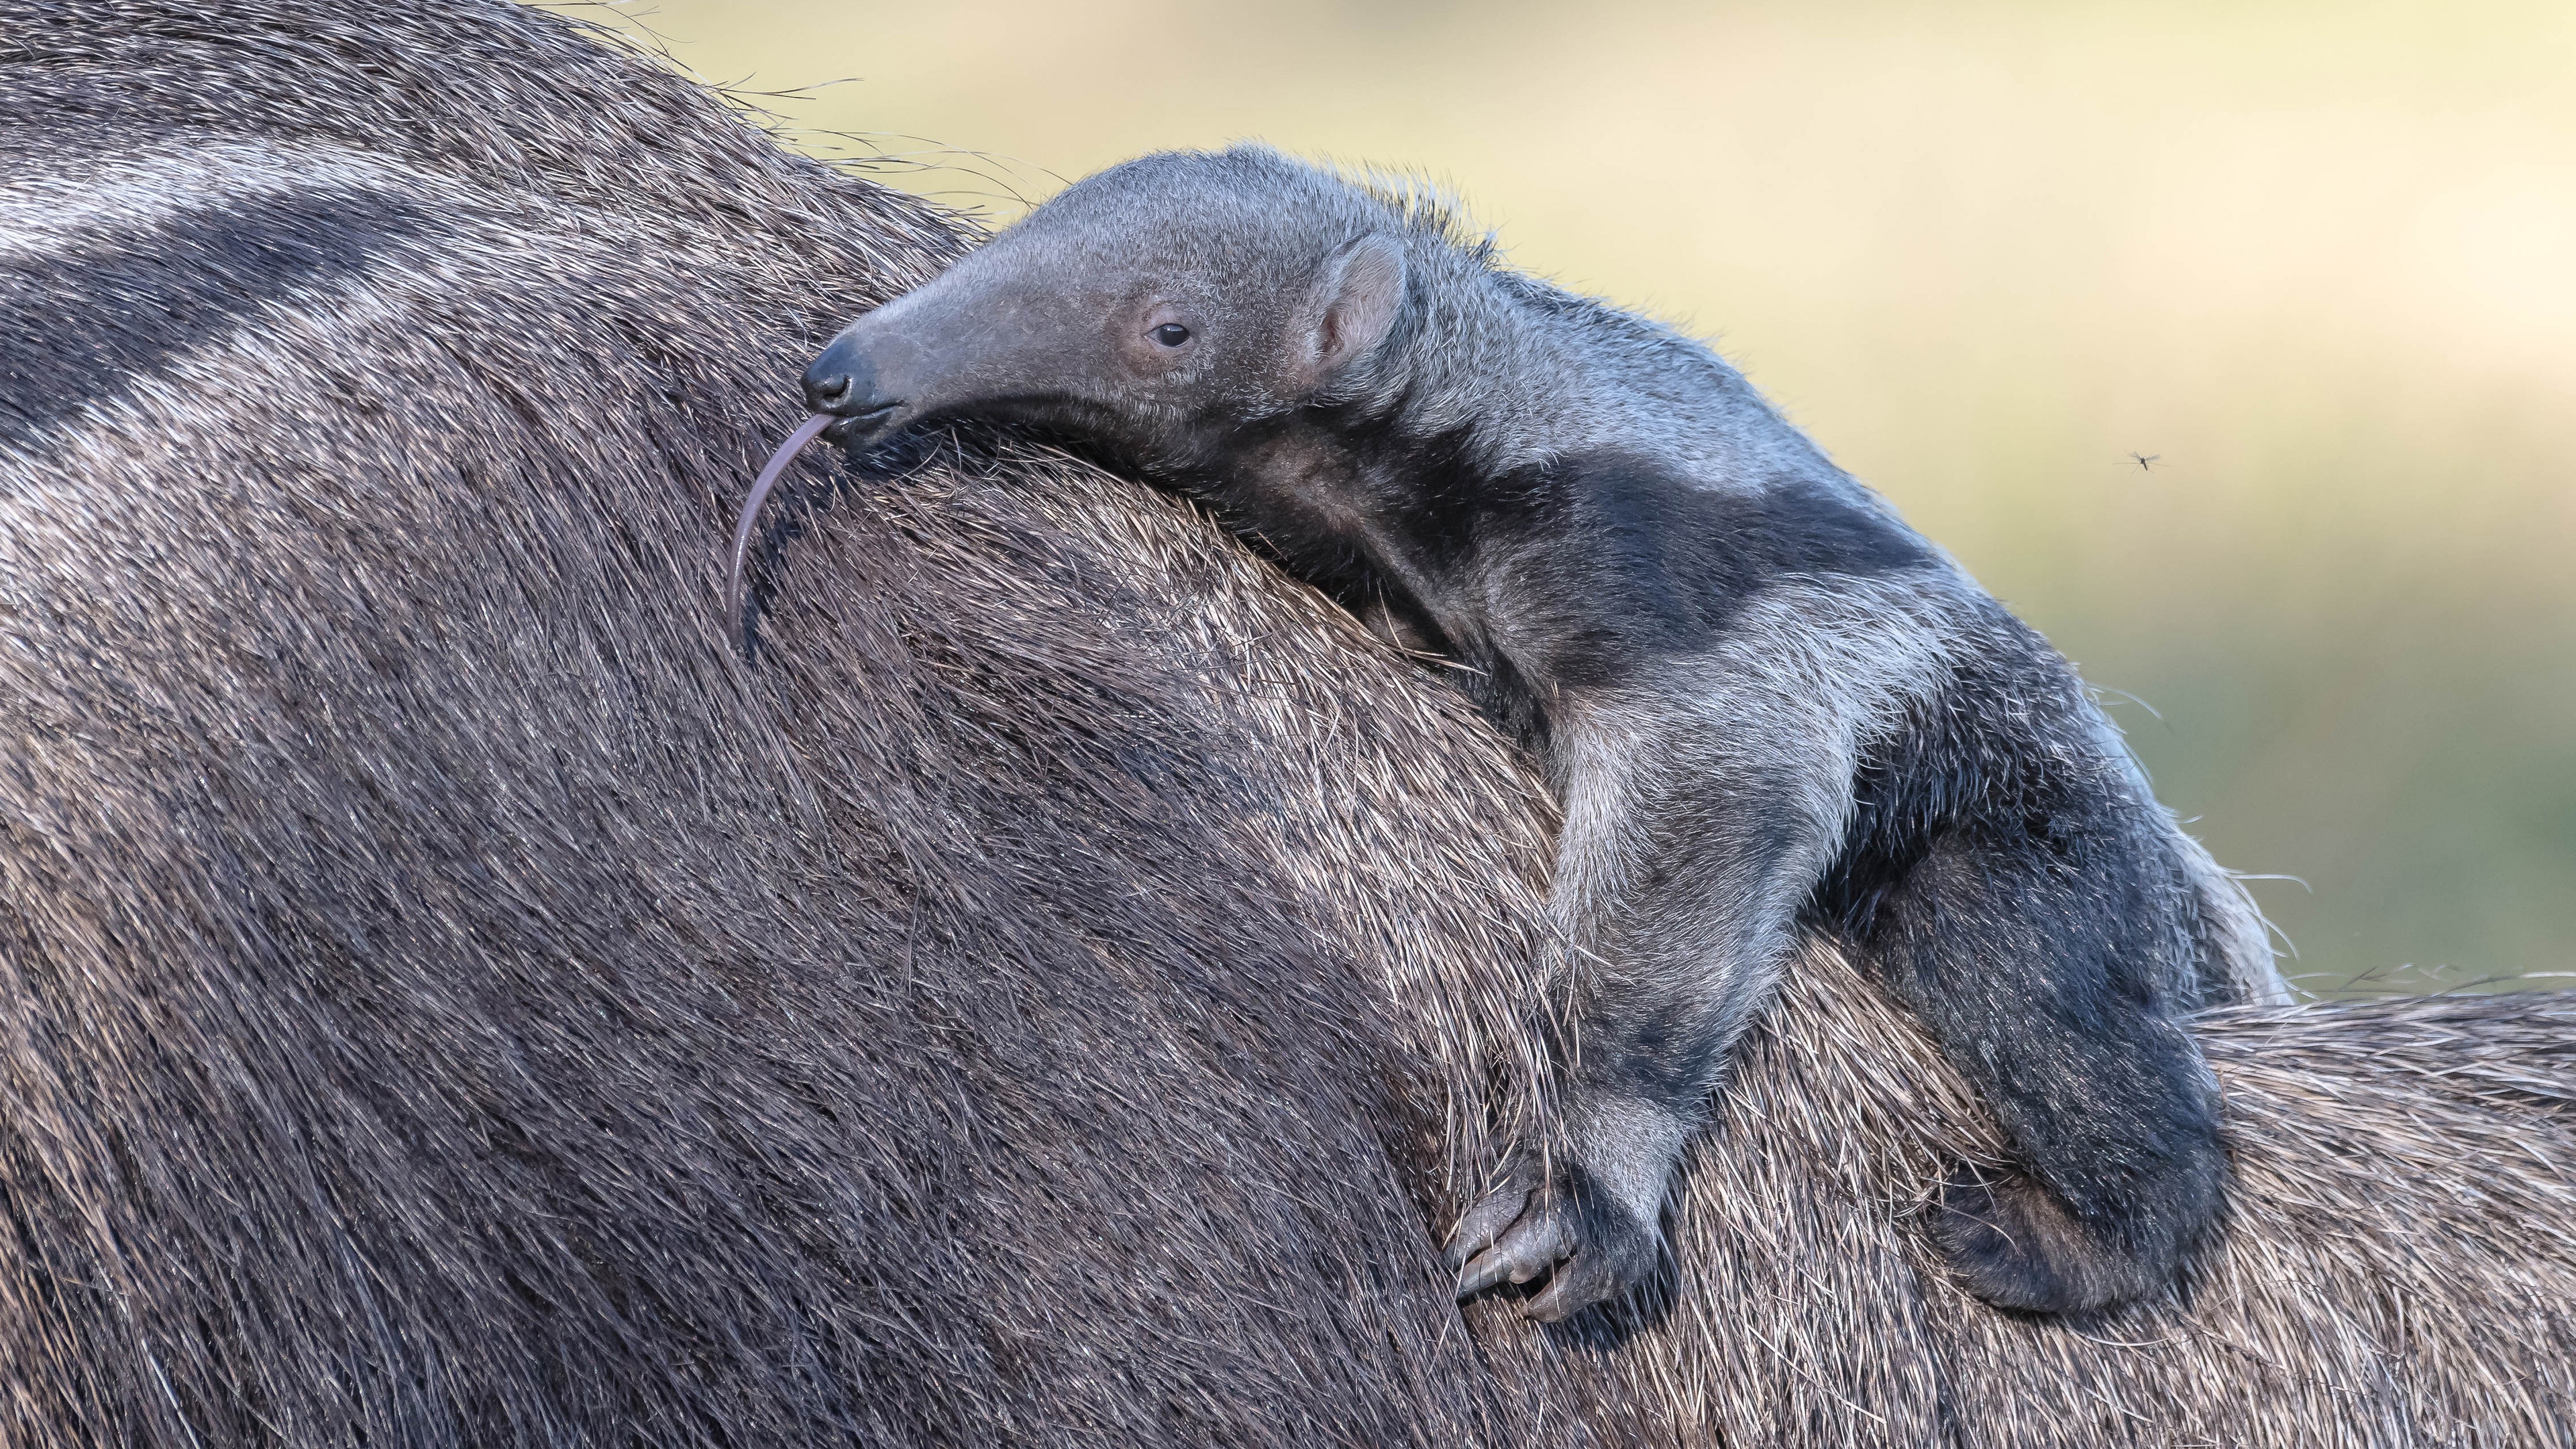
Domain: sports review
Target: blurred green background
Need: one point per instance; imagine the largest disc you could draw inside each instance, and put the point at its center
(2317, 260)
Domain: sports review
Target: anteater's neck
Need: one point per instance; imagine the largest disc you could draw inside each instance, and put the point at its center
(1404, 500)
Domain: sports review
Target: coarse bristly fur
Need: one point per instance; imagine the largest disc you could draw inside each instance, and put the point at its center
(1768, 708)
(1047, 996)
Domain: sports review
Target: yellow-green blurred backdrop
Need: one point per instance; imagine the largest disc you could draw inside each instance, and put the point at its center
(2317, 260)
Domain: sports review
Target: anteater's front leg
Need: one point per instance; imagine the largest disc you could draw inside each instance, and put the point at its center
(2022, 898)
(1699, 816)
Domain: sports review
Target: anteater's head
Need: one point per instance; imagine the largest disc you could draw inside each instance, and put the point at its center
(1149, 310)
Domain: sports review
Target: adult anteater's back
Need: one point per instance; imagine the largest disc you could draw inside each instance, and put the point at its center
(451, 999)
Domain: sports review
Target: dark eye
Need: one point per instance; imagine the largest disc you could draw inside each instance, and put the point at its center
(1171, 334)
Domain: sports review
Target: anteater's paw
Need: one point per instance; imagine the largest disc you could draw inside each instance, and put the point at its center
(1558, 1225)
(2015, 1245)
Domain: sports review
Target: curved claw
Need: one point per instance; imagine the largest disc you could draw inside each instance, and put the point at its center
(1576, 1286)
(1484, 1224)
(1535, 1244)
(1589, 1247)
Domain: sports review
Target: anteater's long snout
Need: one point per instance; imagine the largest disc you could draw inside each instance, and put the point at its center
(977, 338)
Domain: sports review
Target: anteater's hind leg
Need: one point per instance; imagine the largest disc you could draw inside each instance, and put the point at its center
(2028, 951)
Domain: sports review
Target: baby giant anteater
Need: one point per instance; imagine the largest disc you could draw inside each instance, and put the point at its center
(1767, 706)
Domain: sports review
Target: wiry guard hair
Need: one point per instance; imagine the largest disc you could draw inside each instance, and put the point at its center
(1047, 997)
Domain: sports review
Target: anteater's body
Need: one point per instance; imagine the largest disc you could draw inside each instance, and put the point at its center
(1768, 708)
(1047, 998)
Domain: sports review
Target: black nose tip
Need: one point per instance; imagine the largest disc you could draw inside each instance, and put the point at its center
(844, 383)
(828, 390)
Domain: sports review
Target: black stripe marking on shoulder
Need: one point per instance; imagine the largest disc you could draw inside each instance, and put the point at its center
(94, 321)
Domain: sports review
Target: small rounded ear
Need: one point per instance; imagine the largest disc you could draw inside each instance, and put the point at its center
(1357, 293)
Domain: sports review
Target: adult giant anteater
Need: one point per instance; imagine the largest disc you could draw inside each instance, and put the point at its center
(1047, 996)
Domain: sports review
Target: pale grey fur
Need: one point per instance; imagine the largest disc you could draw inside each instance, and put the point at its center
(45, 209)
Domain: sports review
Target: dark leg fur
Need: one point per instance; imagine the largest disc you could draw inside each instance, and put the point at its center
(2031, 959)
